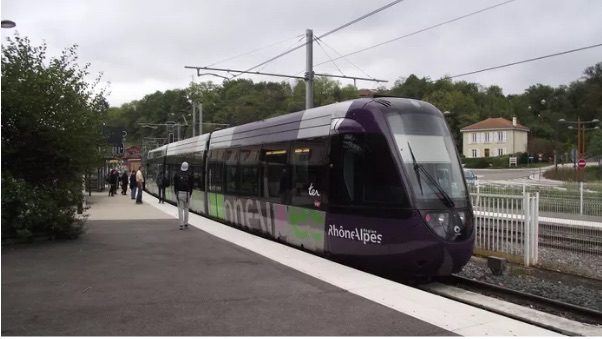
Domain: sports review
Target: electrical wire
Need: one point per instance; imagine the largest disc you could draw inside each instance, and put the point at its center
(349, 61)
(319, 41)
(422, 30)
(524, 61)
(254, 50)
(299, 38)
(325, 34)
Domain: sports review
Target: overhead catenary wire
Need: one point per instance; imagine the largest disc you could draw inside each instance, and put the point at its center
(323, 35)
(422, 30)
(299, 38)
(346, 59)
(319, 41)
(256, 50)
(523, 61)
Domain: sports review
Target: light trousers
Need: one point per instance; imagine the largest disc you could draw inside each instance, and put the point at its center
(183, 204)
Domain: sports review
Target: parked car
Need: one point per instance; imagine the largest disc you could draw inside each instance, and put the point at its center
(471, 177)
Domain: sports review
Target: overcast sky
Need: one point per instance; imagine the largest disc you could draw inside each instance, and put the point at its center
(142, 46)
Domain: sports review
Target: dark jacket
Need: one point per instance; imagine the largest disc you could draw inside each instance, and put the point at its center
(183, 181)
(160, 180)
(124, 179)
(133, 180)
(113, 177)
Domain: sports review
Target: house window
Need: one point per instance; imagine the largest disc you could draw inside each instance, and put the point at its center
(500, 136)
(474, 153)
(487, 137)
(474, 138)
(500, 152)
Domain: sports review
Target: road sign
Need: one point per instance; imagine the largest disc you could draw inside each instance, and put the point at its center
(581, 163)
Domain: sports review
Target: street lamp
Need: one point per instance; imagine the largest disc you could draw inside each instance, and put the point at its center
(581, 132)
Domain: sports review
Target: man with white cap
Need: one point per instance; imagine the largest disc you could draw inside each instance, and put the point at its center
(183, 182)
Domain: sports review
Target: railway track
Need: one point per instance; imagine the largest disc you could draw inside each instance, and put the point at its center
(562, 317)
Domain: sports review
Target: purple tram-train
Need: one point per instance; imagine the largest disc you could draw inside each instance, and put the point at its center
(374, 182)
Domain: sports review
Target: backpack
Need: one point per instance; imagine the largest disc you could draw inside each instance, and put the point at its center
(183, 181)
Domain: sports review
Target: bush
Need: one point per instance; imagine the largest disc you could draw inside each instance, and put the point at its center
(34, 210)
(495, 162)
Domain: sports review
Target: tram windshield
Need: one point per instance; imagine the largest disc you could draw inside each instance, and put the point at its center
(429, 156)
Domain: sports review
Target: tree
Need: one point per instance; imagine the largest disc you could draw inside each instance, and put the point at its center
(594, 147)
(50, 136)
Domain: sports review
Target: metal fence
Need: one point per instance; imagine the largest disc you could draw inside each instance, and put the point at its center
(570, 198)
(511, 226)
(506, 225)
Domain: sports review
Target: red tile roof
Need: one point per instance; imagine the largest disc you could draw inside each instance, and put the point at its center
(494, 123)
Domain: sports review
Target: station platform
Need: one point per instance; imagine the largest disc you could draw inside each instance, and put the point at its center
(134, 273)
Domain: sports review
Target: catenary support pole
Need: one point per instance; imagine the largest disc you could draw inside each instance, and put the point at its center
(193, 120)
(309, 74)
(200, 106)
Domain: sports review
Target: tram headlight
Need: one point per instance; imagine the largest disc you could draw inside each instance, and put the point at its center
(462, 216)
(438, 222)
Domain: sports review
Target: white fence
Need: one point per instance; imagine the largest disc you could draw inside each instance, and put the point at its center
(507, 225)
(510, 226)
(570, 198)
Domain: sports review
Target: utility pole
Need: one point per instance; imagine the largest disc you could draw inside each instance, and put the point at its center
(193, 120)
(309, 74)
(308, 78)
(200, 118)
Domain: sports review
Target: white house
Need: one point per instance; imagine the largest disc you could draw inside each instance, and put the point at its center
(494, 137)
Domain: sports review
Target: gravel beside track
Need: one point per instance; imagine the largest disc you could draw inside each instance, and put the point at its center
(549, 284)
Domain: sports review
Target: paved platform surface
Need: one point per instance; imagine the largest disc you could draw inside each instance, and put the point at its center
(139, 275)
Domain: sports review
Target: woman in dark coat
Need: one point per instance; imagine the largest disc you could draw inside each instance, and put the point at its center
(133, 184)
(113, 178)
(124, 183)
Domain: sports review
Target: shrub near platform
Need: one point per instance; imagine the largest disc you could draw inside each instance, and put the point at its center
(32, 211)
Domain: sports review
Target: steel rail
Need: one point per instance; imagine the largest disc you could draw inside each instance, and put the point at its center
(523, 298)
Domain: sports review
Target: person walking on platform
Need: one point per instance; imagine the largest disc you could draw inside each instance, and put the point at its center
(133, 184)
(139, 184)
(182, 186)
(124, 183)
(161, 184)
(113, 178)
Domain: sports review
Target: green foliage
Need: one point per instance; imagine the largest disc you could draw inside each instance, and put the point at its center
(498, 162)
(240, 101)
(50, 136)
(491, 162)
(594, 148)
(29, 210)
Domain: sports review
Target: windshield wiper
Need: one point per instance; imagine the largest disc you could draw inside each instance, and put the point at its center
(418, 167)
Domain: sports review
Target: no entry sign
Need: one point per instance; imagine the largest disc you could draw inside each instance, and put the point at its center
(581, 163)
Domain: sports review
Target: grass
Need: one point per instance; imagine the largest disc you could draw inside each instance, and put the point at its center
(591, 174)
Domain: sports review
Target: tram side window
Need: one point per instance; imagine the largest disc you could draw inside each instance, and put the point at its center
(215, 174)
(197, 177)
(198, 172)
(308, 160)
(249, 172)
(231, 162)
(364, 172)
(276, 183)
